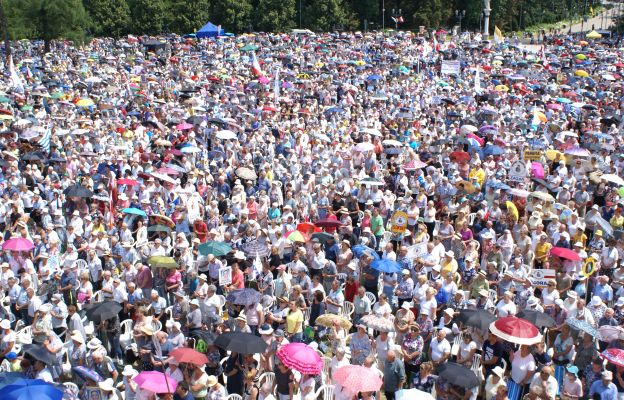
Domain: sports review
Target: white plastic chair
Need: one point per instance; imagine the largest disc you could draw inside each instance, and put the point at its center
(371, 297)
(347, 309)
(234, 396)
(5, 366)
(306, 316)
(267, 377)
(325, 392)
(493, 296)
(326, 364)
(71, 386)
(456, 343)
(471, 218)
(169, 312)
(80, 264)
(157, 325)
(341, 276)
(125, 336)
(504, 365)
(97, 297)
(476, 365)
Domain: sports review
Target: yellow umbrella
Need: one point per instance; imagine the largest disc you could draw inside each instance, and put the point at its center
(85, 103)
(541, 116)
(497, 63)
(360, 63)
(552, 154)
(502, 88)
(6, 117)
(593, 35)
(581, 56)
(329, 319)
(512, 209)
(581, 73)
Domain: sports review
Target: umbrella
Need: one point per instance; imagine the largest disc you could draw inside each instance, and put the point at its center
(578, 152)
(614, 356)
(378, 323)
(610, 333)
(87, 373)
(188, 356)
(364, 147)
(163, 177)
(563, 252)
(241, 342)
(612, 178)
(300, 357)
(357, 378)
(156, 382)
(323, 237)
(307, 227)
(460, 156)
(7, 378)
(493, 150)
(254, 248)
(371, 182)
(17, 244)
(85, 103)
(162, 262)
(512, 209)
(27, 389)
(593, 35)
(516, 330)
(519, 192)
(226, 134)
(604, 224)
(458, 375)
(102, 311)
(217, 249)
(328, 223)
(543, 196)
(134, 211)
(129, 182)
(184, 126)
(329, 319)
(78, 191)
(412, 394)
(387, 266)
(296, 236)
(38, 352)
(163, 220)
(246, 173)
(159, 228)
(480, 319)
(413, 165)
(360, 250)
(581, 325)
(537, 318)
(244, 297)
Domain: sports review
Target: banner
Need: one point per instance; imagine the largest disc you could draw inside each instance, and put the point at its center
(451, 67)
(225, 276)
(518, 171)
(417, 251)
(533, 155)
(398, 222)
(540, 277)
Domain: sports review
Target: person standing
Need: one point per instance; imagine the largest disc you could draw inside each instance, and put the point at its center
(394, 375)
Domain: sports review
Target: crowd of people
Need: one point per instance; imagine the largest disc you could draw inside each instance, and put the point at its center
(299, 216)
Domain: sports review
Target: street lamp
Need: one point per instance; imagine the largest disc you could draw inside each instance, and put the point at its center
(383, 15)
(460, 14)
(396, 17)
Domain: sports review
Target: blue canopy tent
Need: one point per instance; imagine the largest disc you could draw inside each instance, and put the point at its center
(209, 30)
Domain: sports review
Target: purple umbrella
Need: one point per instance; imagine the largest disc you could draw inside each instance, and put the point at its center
(18, 244)
(578, 151)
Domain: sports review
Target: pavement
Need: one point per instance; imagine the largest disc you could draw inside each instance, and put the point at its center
(601, 21)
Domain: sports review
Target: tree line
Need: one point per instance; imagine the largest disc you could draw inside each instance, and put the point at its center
(81, 19)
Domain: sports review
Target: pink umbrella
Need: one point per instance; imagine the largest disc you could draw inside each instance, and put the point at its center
(184, 126)
(156, 382)
(537, 170)
(475, 137)
(301, 357)
(18, 244)
(413, 165)
(357, 378)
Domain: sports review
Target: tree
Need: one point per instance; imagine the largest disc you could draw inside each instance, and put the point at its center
(56, 19)
(276, 15)
(108, 17)
(233, 15)
(432, 13)
(148, 16)
(17, 13)
(328, 15)
(187, 16)
(367, 10)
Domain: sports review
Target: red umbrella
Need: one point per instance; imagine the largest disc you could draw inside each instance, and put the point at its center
(328, 223)
(614, 356)
(516, 330)
(189, 356)
(413, 165)
(460, 156)
(568, 254)
(307, 227)
(129, 182)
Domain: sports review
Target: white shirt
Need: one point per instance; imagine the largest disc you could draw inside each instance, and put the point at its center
(45, 375)
(439, 348)
(521, 366)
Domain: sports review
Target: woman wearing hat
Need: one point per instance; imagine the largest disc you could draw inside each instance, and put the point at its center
(216, 391)
(197, 381)
(7, 338)
(493, 381)
(108, 390)
(572, 387)
(130, 387)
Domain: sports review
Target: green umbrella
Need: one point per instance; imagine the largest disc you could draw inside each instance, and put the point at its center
(26, 108)
(217, 249)
(57, 95)
(249, 47)
(4, 99)
(162, 262)
(621, 191)
(322, 237)
(159, 228)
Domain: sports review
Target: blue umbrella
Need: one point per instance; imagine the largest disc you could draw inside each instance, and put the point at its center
(9, 378)
(387, 266)
(27, 389)
(581, 325)
(244, 297)
(359, 250)
(497, 185)
(134, 211)
(564, 100)
(87, 373)
(373, 77)
(493, 150)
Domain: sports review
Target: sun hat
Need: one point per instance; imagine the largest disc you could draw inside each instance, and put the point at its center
(5, 324)
(212, 380)
(265, 329)
(107, 385)
(77, 336)
(129, 371)
(499, 371)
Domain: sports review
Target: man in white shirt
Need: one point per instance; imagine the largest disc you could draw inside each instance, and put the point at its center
(545, 384)
(120, 295)
(440, 348)
(34, 302)
(107, 285)
(58, 313)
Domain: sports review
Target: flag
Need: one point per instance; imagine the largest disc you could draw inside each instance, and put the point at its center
(477, 81)
(276, 84)
(44, 142)
(536, 121)
(16, 81)
(401, 20)
(498, 35)
(112, 192)
(436, 47)
(543, 57)
(394, 20)
(255, 65)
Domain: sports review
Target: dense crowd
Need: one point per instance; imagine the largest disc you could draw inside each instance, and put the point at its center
(298, 216)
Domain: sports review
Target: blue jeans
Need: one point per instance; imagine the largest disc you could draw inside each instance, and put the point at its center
(297, 338)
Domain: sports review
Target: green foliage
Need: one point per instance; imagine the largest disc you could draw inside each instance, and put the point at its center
(328, 15)
(275, 15)
(367, 10)
(108, 17)
(233, 15)
(148, 16)
(432, 13)
(54, 19)
(186, 16)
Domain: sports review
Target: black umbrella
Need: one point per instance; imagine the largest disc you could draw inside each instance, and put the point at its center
(103, 311)
(537, 318)
(241, 342)
(35, 156)
(207, 336)
(480, 319)
(78, 191)
(458, 375)
(40, 353)
(244, 297)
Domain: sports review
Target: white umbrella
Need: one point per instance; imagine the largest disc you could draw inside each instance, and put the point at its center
(468, 129)
(322, 137)
(392, 142)
(93, 79)
(163, 177)
(364, 146)
(613, 179)
(226, 134)
(412, 394)
(23, 122)
(371, 131)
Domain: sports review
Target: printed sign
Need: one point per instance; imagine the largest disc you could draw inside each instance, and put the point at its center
(532, 155)
(518, 171)
(225, 276)
(417, 251)
(589, 267)
(451, 67)
(399, 222)
(540, 277)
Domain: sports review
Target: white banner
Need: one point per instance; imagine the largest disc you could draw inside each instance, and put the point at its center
(450, 67)
(540, 277)
(417, 251)
(225, 276)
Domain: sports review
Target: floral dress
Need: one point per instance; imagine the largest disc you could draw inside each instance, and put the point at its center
(413, 343)
(361, 343)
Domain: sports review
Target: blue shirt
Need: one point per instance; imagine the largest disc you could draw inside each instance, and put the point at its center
(608, 392)
(605, 292)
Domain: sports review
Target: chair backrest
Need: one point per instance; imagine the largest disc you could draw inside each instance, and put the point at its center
(5, 366)
(347, 309)
(471, 218)
(169, 312)
(476, 364)
(157, 325)
(306, 316)
(234, 396)
(80, 264)
(97, 297)
(326, 364)
(325, 392)
(71, 386)
(125, 326)
(342, 277)
(221, 299)
(504, 366)
(371, 297)
(493, 296)
(267, 377)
